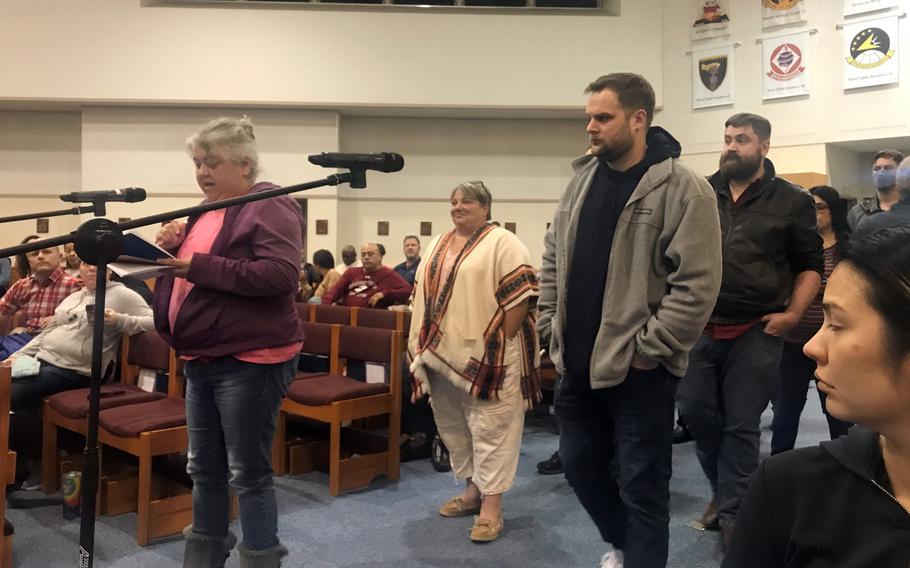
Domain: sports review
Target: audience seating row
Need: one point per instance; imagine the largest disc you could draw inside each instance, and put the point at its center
(148, 424)
(356, 317)
(337, 332)
(139, 423)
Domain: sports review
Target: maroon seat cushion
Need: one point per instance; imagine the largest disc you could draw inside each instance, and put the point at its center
(74, 403)
(300, 376)
(321, 391)
(130, 421)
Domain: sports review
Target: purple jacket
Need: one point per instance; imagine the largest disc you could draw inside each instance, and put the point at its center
(243, 297)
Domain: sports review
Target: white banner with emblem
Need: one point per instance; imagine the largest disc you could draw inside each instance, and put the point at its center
(853, 7)
(871, 53)
(782, 12)
(711, 19)
(785, 66)
(713, 76)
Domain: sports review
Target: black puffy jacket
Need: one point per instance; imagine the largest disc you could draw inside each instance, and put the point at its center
(769, 237)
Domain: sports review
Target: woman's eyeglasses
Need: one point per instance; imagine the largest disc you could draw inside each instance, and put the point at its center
(821, 207)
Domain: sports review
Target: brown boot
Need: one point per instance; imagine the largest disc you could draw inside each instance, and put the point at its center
(708, 520)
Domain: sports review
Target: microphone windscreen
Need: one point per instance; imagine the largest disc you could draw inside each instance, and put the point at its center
(393, 162)
(133, 194)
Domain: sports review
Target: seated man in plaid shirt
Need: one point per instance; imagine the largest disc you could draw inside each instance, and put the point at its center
(35, 297)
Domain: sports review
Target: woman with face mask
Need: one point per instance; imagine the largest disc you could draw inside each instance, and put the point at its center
(847, 502)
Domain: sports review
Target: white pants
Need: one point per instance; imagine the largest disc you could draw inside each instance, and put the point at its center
(483, 436)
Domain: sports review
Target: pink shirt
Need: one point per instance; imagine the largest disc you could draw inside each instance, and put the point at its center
(200, 240)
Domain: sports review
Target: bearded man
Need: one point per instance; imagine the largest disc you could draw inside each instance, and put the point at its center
(772, 266)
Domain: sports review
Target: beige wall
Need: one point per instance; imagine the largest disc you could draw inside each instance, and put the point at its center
(525, 163)
(122, 50)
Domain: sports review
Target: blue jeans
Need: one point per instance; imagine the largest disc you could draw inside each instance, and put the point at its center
(231, 409)
(633, 422)
(722, 397)
(796, 371)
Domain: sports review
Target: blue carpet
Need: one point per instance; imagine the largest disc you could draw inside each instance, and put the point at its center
(396, 524)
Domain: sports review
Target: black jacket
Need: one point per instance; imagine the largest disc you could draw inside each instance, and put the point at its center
(768, 238)
(897, 216)
(822, 507)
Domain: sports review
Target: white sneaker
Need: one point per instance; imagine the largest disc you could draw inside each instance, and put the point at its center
(611, 559)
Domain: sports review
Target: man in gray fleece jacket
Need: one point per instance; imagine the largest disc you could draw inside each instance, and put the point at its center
(631, 271)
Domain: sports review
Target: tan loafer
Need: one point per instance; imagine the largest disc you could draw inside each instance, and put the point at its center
(456, 507)
(485, 530)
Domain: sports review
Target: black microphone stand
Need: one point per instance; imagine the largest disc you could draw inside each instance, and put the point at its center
(57, 213)
(99, 242)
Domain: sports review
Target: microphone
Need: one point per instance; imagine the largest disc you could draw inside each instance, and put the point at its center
(129, 195)
(381, 162)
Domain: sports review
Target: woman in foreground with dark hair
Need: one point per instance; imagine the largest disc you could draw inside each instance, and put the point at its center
(846, 503)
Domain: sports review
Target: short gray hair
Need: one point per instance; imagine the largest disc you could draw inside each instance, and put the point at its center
(477, 191)
(233, 134)
(903, 179)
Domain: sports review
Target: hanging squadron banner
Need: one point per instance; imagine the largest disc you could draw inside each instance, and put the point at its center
(871, 53)
(782, 12)
(786, 67)
(711, 19)
(712, 77)
(854, 7)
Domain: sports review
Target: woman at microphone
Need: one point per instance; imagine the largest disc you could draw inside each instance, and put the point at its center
(228, 310)
(474, 350)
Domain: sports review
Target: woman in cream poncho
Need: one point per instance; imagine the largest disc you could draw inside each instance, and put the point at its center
(474, 350)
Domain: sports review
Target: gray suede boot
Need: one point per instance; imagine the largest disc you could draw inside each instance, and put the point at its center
(268, 558)
(204, 551)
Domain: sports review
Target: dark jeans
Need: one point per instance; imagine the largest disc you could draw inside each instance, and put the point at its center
(796, 371)
(231, 408)
(26, 394)
(634, 422)
(722, 397)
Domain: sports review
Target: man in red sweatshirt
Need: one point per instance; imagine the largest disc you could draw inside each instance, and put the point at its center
(371, 285)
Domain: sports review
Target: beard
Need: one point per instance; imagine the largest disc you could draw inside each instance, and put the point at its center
(739, 168)
(616, 148)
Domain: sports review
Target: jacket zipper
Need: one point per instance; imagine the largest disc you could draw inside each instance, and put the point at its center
(890, 495)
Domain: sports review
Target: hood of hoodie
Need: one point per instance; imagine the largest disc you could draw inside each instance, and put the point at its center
(661, 145)
(859, 451)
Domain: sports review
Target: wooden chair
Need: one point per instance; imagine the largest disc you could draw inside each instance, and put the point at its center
(321, 341)
(305, 311)
(335, 398)
(69, 409)
(376, 318)
(7, 466)
(327, 313)
(146, 430)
